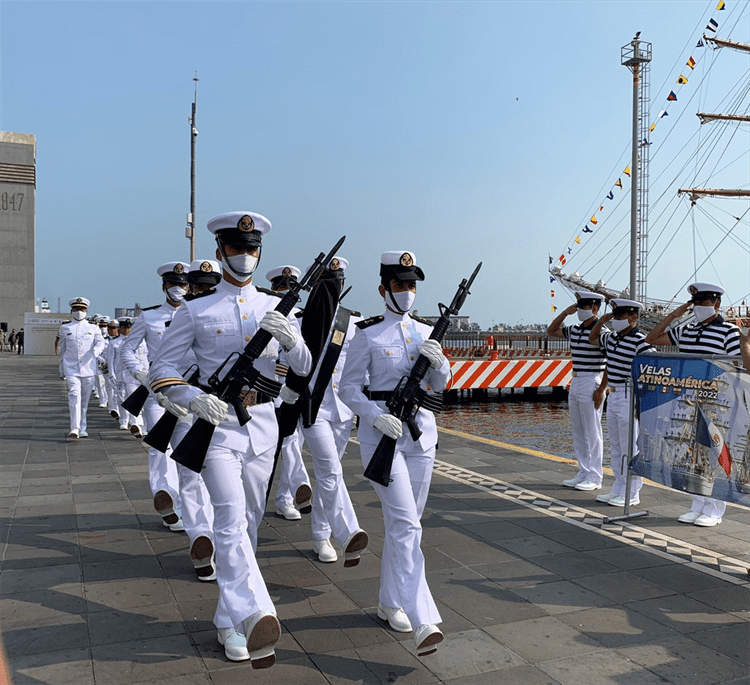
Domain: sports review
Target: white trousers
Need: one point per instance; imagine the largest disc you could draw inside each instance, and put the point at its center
(162, 471)
(586, 425)
(101, 388)
(113, 401)
(237, 485)
(332, 509)
(79, 394)
(402, 569)
(618, 421)
(292, 472)
(708, 506)
(124, 390)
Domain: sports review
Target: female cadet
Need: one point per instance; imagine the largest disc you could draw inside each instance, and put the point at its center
(384, 349)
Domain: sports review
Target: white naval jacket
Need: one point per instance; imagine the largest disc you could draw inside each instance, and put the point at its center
(122, 372)
(81, 344)
(386, 351)
(215, 325)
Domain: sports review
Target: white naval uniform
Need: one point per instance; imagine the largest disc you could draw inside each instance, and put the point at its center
(291, 468)
(239, 460)
(127, 383)
(386, 351)
(81, 345)
(109, 357)
(332, 510)
(100, 380)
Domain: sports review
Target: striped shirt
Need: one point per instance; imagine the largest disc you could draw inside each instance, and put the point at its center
(717, 337)
(586, 357)
(620, 351)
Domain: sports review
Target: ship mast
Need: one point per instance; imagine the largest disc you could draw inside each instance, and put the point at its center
(636, 56)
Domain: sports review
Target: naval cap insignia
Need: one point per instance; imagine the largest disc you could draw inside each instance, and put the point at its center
(246, 224)
(286, 272)
(334, 265)
(179, 269)
(693, 290)
(79, 300)
(406, 260)
(206, 268)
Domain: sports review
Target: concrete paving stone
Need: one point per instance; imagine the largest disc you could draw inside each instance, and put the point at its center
(322, 635)
(683, 662)
(42, 490)
(574, 565)
(684, 614)
(733, 641)
(41, 607)
(177, 563)
(17, 557)
(115, 551)
(622, 586)
(187, 588)
(630, 558)
(436, 558)
(452, 621)
(466, 517)
(475, 552)
(488, 604)
(273, 553)
(298, 671)
(599, 668)
(97, 571)
(54, 668)
(111, 486)
(126, 594)
(561, 597)
(214, 659)
(142, 661)
(363, 591)
(38, 578)
(292, 575)
(586, 540)
(104, 508)
(198, 615)
(321, 600)
(680, 578)
(90, 497)
(496, 530)
(153, 621)
(452, 581)
(543, 638)
(40, 639)
(440, 534)
(516, 573)
(526, 675)
(43, 511)
(731, 598)
(89, 479)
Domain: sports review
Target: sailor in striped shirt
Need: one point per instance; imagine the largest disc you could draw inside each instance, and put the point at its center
(621, 347)
(708, 334)
(588, 374)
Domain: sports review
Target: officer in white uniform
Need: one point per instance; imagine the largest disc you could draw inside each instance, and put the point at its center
(385, 348)
(239, 459)
(293, 492)
(80, 348)
(113, 402)
(127, 383)
(707, 334)
(620, 347)
(589, 366)
(100, 382)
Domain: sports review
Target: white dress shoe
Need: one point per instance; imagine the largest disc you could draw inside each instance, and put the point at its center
(354, 546)
(262, 632)
(235, 644)
(605, 498)
(303, 498)
(202, 556)
(102, 406)
(114, 414)
(572, 482)
(396, 617)
(588, 485)
(83, 434)
(325, 551)
(135, 429)
(123, 427)
(289, 512)
(74, 434)
(689, 517)
(620, 501)
(707, 521)
(427, 638)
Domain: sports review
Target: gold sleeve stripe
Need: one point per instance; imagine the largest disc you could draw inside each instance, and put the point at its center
(162, 383)
(281, 370)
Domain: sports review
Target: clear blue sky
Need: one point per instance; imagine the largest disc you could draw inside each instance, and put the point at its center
(462, 131)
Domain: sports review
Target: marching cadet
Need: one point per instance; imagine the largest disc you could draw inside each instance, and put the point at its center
(384, 349)
(148, 330)
(620, 348)
(238, 463)
(584, 401)
(126, 381)
(100, 384)
(81, 345)
(113, 404)
(203, 275)
(293, 476)
(706, 334)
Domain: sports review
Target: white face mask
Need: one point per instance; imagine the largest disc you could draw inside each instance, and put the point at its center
(585, 314)
(404, 300)
(703, 313)
(79, 315)
(242, 263)
(620, 324)
(176, 294)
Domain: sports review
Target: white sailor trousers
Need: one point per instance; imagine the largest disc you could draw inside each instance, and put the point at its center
(162, 471)
(402, 570)
(101, 387)
(708, 506)
(113, 401)
(586, 425)
(618, 421)
(332, 509)
(237, 482)
(125, 390)
(79, 394)
(292, 472)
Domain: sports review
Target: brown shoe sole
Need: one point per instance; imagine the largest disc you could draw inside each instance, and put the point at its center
(430, 641)
(201, 550)
(164, 505)
(356, 544)
(303, 494)
(265, 633)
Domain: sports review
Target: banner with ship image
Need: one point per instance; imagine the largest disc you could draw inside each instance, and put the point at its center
(694, 432)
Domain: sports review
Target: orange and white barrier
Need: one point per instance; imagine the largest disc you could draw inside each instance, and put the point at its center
(510, 373)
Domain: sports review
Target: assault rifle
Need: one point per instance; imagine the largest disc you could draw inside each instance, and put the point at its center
(160, 435)
(408, 396)
(243, 377)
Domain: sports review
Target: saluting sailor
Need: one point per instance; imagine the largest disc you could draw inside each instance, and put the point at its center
(707, 334)
(81, 345)
(384, 349)
(620, 348)
(239, 459)
(584, 401)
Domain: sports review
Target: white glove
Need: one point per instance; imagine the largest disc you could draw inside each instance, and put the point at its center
(142, 376)
(434, 352)
(172, 407)
(389, 425)
(209, 408)
(288, 395)
(280, 328)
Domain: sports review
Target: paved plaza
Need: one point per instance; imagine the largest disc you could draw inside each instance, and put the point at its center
(534, 585)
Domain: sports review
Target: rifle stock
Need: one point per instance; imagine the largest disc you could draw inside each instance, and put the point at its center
(191, 452)
(379, 467)
(160, 435)
(135, 401)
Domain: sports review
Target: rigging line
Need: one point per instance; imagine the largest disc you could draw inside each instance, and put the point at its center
(695, 259)
(674, 235)
(695, 276)
(738, 241)
(661, 233)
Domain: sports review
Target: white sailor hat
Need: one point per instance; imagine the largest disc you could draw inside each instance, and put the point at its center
(285, 271)
(401, 265)
(174, 272)
(79, 302)
(584, 297)
(204, 271)
(622, 306)
(103, 319)
(239, 228)
(125, 321)
(337, 264)
(704, 291)
(113, 323)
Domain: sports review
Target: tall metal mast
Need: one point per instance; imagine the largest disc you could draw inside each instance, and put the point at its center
(190, 229)
(636, 56)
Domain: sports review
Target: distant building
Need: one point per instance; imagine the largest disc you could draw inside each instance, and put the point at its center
(457, 323)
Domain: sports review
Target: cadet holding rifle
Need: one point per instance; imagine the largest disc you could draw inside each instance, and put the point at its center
(239, 459)
(386, 347)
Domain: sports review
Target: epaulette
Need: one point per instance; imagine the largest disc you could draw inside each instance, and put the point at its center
(421, 320)
(268, 292)
(366, 323)
(191, 297)
(146, 309)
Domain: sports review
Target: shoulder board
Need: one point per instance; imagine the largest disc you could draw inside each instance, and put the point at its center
(146, 309)
(67, 322)
(352, 312)
(421, 320)
(191, 297)
(366, 323)
(268, 292)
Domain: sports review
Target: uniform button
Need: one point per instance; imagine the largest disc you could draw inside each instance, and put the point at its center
(242, 299)
(408, 340)
(218, 330)
(412, 357)
(247, 338)
(388, 353)
(334, 371)
(244, 316)
(335, 386)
